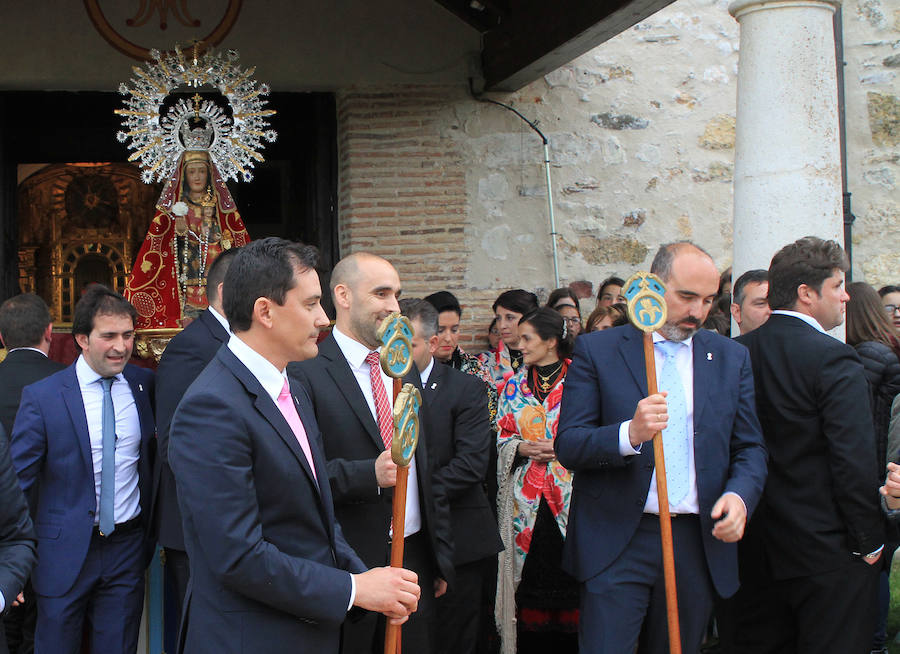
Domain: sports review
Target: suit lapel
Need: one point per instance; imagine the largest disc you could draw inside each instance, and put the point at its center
(141, 397)
(631, 347)
(71, 393)
(266, 407)
(346, 383)
(704, 362)
(435, 381)
(215, 328)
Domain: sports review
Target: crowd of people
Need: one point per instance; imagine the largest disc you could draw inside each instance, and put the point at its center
(258, 455)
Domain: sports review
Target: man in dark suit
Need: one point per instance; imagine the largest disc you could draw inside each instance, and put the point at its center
(83, 436)
(715, 465)
(270, 569)
(344, 382)
(460, 437)
(26, 330)
(185, 357)
(808, 564)
(17, 540)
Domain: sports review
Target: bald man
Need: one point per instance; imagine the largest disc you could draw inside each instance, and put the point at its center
(352, 398)
(715, 465)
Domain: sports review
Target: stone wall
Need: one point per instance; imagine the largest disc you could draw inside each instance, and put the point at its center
(641, 133)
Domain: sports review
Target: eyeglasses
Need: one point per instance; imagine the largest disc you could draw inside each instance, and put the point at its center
(891, 308)
(572, 320)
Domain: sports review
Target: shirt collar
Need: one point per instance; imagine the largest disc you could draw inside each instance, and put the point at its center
(354, 351)
(33, 349)
(808, 319)
(87, 375)
(271, 379)
(427, 372)
(659, 338)
(222, 321)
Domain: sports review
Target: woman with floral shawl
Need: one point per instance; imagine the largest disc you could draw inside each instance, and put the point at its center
(508, 308)
(534, 596)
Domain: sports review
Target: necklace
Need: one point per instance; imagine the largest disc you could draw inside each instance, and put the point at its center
(544, 381)
(183, 264)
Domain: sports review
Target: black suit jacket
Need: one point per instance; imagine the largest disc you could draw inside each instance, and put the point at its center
(269, 566)
(821, 500)
(18, 543)
(184, 359)
(18, 370)
(460, 438)
(352, 443)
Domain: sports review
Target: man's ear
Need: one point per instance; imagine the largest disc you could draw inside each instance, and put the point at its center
(341, 296)
(433, 344)
(262, 312)
(736, 312)
(82, 340)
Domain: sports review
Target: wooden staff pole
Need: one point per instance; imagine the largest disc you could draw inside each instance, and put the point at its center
(665, 520)
(392, 632)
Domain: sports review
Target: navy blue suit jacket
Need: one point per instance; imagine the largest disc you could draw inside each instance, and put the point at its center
(51, 447)
(185, 357)
(603, 386)
(269, 563)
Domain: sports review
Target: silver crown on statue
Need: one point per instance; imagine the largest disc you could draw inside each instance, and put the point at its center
(196, 138)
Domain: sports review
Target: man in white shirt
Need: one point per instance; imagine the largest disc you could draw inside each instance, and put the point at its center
(345, 382)
(715, 465)
(270, 569)
(82, 437)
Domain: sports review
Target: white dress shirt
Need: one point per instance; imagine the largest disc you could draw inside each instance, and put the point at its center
(355, 353)
(272, 381)
(809, 320)
(221, 319)
(128, 438)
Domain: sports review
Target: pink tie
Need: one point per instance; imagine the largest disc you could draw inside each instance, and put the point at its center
(382, 407)
(289, 411)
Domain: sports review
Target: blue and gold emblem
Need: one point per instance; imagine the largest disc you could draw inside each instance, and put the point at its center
(644, 293)
(396, 334)
(406, 424)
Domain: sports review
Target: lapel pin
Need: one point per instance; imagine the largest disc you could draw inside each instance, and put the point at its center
(433, 385)
(141, 388)
(709, 356)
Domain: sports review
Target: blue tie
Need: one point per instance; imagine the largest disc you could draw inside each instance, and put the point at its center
(675, 440)
(108, 463)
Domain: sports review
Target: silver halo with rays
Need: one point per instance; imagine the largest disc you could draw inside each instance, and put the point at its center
(154, 137)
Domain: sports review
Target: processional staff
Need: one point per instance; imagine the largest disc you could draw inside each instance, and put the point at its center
(645, 293)
(395, 334)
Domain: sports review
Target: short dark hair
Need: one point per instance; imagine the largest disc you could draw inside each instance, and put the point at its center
(665, 255)
(809, 260)
(517, 300)
(216, 273)
(424, 312)
(609, 281)
(263, 268)
(444, 301)
(560, 294)
(23, 319)
(890, 288)
(98, 300)
(755, 276)
(549, 323)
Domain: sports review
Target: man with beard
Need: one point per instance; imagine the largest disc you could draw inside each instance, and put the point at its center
(352, 399)
(715, 465)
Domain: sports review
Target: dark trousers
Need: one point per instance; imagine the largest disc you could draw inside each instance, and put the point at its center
(367, 633)
(833, 612)
(108, 592)
(177, 574)
(625, 605)
(458, 613)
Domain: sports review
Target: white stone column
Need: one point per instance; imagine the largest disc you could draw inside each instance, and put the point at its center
(787, 169)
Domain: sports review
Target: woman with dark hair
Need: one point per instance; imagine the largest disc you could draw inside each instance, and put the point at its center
(534, 596)
(871, 333)
(606, 317)
(566, 303)
(509, 308)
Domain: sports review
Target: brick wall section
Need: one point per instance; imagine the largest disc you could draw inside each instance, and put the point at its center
(403, 192)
